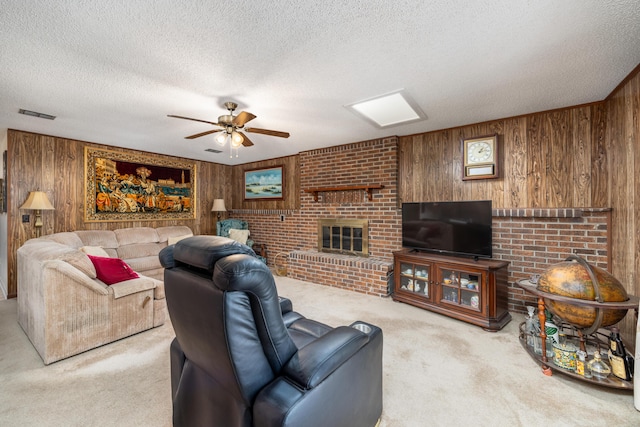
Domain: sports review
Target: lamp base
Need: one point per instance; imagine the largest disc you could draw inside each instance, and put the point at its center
(38, 224)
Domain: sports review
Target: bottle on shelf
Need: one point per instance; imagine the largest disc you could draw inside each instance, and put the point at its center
(621, 361)
(531, 329)
(551, 328)
(582, 366)
(598, 367)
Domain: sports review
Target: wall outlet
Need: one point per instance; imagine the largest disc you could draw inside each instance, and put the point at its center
(25, 218)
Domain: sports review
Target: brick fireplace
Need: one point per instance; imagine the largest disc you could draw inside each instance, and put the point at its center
(343, 236)
(531, 239)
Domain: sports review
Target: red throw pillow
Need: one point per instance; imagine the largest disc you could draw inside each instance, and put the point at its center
(112, 270)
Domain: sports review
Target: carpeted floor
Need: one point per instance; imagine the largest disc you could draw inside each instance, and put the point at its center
(437, 371)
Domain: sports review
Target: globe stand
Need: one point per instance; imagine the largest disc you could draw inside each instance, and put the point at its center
(600, 315)
(597, 323)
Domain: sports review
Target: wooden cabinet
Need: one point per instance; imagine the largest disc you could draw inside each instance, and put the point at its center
(474, 291)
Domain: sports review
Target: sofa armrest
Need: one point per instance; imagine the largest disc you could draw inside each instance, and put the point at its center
(133, 286)
(77, 276)
(316, 361)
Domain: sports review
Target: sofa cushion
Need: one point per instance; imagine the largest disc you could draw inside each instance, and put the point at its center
(139, 250)
(172, 240)
(81, 261)
(112, 270)
(67, 238)
(94, 251)
(172, 231)
(128, 236)
(106, 239)
(144, 264)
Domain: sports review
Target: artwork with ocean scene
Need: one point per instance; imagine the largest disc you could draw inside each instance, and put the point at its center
(263, 183)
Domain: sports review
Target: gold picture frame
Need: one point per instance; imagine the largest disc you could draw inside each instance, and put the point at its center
(122, 186)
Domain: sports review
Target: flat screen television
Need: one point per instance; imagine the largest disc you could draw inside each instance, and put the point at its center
(450, 228)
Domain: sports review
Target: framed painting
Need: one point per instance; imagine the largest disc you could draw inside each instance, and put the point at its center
(266, 183)
(122, 186)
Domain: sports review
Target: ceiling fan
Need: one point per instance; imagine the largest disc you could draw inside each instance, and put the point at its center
(231, 127)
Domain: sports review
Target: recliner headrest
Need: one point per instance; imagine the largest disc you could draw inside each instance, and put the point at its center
(202, 251)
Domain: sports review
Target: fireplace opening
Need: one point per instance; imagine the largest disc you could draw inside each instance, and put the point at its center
(344, 236)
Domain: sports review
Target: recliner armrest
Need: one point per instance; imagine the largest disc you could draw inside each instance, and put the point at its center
(285, 305)
(316, 361)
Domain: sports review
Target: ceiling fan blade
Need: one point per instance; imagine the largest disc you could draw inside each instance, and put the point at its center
(195, 120)
(243, 118)
(198, 135)
(246, 141)
(268, 132)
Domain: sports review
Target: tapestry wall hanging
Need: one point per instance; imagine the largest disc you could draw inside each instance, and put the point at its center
(126, 187)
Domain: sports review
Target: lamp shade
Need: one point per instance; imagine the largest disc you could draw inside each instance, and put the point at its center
(37, 200)
(218, 206)
(221, 138)
(236, 139)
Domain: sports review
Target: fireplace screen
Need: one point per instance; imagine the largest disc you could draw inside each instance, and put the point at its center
(343, 236)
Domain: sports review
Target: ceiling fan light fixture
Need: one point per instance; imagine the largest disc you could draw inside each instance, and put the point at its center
(221, 138)
(236, 139)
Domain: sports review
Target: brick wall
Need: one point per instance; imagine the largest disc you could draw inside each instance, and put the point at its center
(533, 239)
(530, 239)
(362, 163)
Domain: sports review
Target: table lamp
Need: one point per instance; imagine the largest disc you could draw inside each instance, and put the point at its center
(218, 206)
(37, 201)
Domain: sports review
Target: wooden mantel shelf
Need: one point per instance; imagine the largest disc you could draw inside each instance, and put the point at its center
(367, 188)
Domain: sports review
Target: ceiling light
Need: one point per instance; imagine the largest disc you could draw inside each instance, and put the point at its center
(236, 139)
(221, 138)
(388, 110)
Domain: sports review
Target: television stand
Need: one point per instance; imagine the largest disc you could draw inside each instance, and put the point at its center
(471, 290)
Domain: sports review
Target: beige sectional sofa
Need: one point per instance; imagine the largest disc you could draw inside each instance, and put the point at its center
(65, 309)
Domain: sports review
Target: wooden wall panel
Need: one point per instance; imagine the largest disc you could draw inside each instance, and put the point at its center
(623, 153)
(536, 149)
(581, 154)
(540, 154)
(291, 171)
(600, 161)
(56, 166)
(559, 158)
(514, 164)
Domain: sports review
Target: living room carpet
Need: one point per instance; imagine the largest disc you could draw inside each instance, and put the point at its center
(437, 372)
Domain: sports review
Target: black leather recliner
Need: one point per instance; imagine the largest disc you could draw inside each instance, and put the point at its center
(242, 357)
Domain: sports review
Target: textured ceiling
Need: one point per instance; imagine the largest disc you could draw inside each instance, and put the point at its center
(112, 70)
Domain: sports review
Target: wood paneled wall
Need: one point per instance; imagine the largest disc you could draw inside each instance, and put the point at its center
(552, 159)
(291, 185)
(56, 166)
(584, 156)
(623, 141)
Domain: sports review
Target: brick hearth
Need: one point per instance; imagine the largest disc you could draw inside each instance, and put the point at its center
(365, 275)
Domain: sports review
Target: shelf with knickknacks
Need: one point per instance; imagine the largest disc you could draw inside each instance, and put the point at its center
(584, 302)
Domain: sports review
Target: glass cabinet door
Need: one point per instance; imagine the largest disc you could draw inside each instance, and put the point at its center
(415, 278)
(461, 288)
